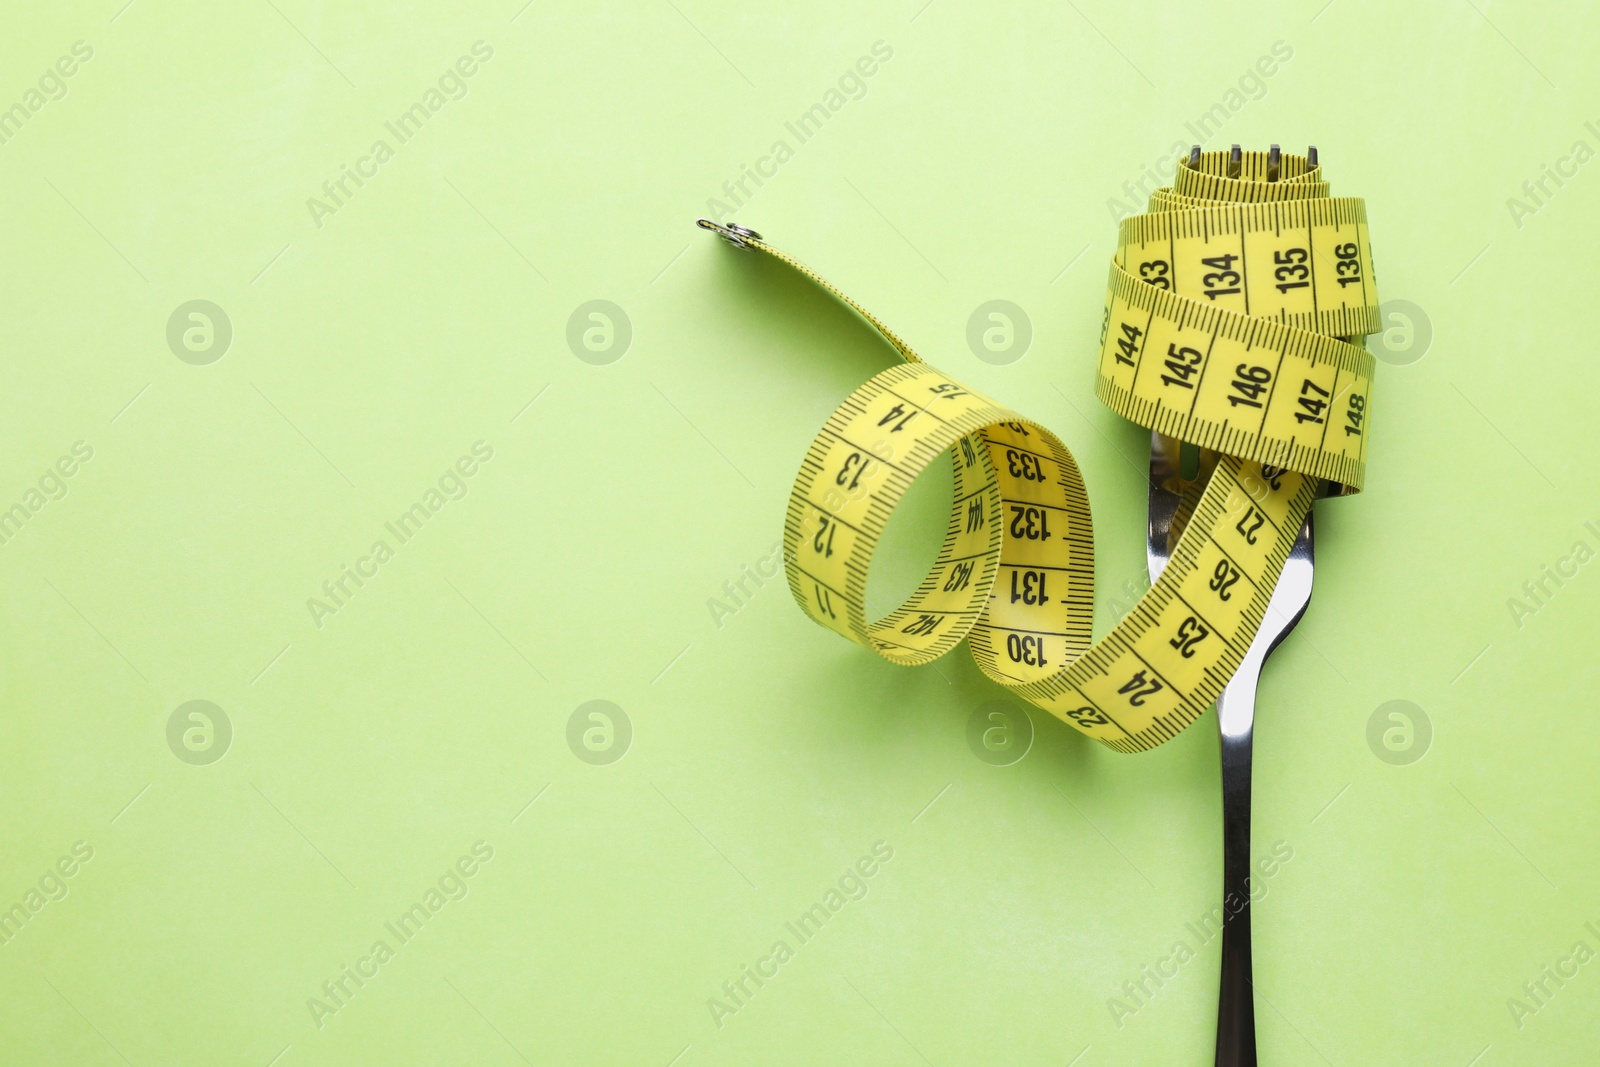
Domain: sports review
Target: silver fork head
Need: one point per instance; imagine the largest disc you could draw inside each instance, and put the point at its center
(1236, 707)
(1165, 486)
(1168, 486)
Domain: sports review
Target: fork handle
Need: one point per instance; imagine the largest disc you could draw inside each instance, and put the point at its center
(1236, 1011)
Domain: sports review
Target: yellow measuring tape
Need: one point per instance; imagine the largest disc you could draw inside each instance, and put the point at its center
(1222, 321)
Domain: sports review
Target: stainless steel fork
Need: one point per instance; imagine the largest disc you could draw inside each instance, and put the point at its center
(1236, 710)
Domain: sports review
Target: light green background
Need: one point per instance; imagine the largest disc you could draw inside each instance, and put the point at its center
(430, 311)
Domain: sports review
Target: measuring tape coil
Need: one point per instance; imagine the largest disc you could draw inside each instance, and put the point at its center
(1224, 311)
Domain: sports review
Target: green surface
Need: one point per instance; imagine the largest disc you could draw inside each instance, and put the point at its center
(375, 341)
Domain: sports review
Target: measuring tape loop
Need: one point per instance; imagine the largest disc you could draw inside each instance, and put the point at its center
(1223, 313)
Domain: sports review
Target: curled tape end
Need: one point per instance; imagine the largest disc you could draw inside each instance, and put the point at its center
(730, 232)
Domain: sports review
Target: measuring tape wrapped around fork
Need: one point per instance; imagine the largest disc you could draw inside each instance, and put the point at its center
(1223, 314)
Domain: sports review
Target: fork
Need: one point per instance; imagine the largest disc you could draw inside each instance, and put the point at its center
(1236, 709)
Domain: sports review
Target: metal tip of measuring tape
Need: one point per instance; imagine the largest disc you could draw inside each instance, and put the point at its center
(730, 232)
